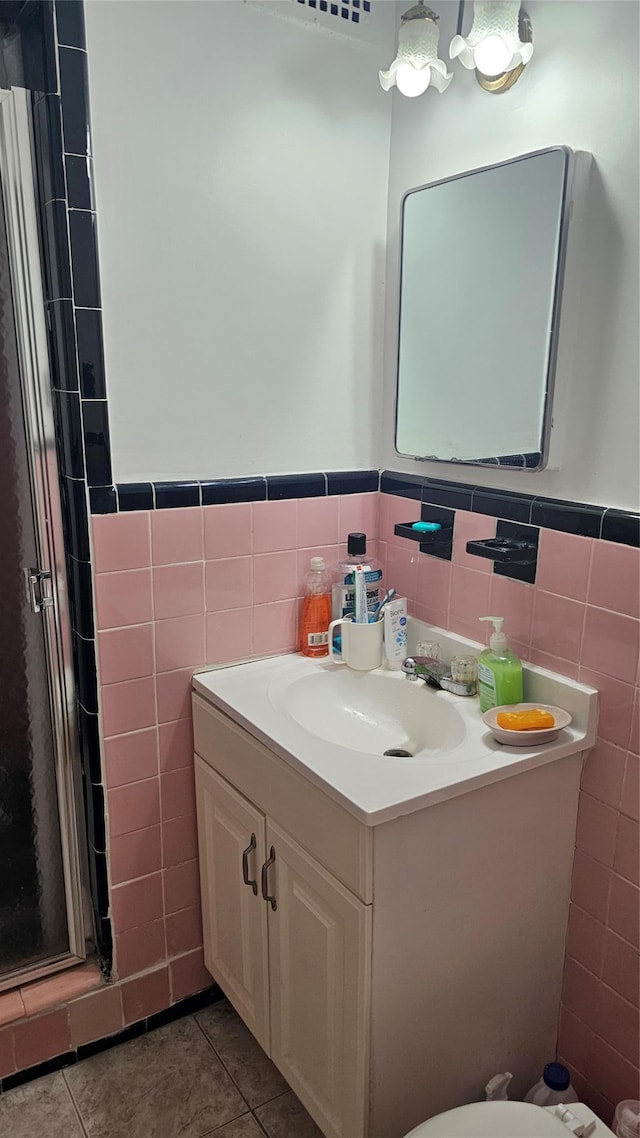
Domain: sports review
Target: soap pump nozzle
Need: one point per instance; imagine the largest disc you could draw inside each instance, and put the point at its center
(497, 640)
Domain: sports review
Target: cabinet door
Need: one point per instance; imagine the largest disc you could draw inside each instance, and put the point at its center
(234, 916)
(319, 963)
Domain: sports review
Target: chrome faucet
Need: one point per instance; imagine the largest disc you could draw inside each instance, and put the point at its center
(436, 675)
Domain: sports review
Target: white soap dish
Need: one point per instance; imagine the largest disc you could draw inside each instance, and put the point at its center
(526, 738)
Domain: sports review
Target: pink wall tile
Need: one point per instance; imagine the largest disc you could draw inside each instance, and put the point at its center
(179, 643)
(130, 706)
(228, 530)
(615, 706)
(616, 1021)
(7, 1053)
(472, 527)
(275, 627)
(563, 564)
(135, 854)
(596, 829)
(624, 909)
(275, 577)
(575, 1039)
(184, 931)
(229, 583)
(590, 884)
(617, 1078)
(318, 522)
(179, 841)
(611, 644)
(434, 589)
(229, 635)
(620, 967)
(11, 1007)
(178, 590)
(557, 625)
(275, 526)
(131, 758)
(145, 995)
(634, 734)
(627, 859)
(615, 578)
(393, 510)
(181, 886)
(358, 513)
(140, 948)
(585, 940)
(121, 541)
(177, 793)
(580, 988)
(137, 903)
(41, 1038)
(176, 536)
(401, 570)
(514, 601)
(603, 773)
(331, 554)
(126, 653)
(123, 598)
(188, 975)
(59, 989)
(176, 744)
(469, 601)
(554, 664)
(134, 807)
(174, 695)
(96, 1016)
(630, 804)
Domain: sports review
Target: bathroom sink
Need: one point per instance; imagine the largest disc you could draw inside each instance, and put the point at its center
(371, 712)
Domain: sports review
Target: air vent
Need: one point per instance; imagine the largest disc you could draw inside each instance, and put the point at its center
(367, 21)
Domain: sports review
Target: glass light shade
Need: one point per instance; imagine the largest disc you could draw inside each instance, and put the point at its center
(416, 65)
(493, 45)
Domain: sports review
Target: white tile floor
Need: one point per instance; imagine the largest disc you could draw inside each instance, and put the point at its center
(202, 1075)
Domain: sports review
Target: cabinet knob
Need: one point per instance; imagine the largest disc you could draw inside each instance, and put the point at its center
(245, 866)
(265, 879)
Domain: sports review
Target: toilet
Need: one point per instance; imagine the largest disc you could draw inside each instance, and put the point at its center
(513, 1120)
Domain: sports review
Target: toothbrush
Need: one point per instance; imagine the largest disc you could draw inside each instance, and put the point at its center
(389, 595)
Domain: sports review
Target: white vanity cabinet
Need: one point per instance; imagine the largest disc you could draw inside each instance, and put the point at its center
(287, 941)
(400, 965)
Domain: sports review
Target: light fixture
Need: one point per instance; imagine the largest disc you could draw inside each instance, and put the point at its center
(416, 66)
(499, 45)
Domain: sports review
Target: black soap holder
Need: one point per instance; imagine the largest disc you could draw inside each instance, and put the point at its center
(507, 550)
(438, 543)
(514, 550)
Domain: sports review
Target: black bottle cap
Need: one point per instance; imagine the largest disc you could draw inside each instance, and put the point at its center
(357, 544)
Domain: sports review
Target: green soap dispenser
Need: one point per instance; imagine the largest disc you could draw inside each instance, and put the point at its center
(499, 670)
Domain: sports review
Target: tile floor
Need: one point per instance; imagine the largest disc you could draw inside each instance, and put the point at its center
(202, 1075)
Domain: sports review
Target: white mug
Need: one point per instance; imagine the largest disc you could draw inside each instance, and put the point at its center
(361, 644)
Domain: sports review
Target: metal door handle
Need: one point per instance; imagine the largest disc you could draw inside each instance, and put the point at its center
(34, 583)
(245, 866)
(265, 879)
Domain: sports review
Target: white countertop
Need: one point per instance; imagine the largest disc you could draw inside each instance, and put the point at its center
(375, 788)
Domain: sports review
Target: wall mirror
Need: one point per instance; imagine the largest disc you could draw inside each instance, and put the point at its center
(482, 264)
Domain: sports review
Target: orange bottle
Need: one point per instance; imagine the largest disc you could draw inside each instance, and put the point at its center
(316, 610)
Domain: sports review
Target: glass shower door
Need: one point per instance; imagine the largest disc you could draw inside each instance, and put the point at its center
(40, 911)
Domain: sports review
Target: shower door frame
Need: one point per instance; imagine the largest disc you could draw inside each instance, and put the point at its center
(18, 194)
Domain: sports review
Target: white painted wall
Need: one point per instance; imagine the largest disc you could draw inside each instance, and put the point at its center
(581, 89)
(241, 165)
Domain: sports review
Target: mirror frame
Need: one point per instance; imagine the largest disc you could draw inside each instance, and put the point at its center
(576, 169)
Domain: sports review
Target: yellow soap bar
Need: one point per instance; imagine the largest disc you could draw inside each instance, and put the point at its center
(533, 720)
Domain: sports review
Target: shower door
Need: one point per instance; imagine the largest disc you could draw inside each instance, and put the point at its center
(41, 927)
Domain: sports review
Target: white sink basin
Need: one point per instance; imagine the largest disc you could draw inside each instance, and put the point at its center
(370, 712)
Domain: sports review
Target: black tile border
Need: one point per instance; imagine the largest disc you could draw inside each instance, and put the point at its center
(222, 491)
(186, 1007)
(578, 518)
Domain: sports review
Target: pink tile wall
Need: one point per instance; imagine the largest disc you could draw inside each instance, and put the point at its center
(580, 619)
(180, 588)
(176, 589)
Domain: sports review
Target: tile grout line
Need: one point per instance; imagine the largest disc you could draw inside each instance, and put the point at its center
(222, 1063)
(74, 1104)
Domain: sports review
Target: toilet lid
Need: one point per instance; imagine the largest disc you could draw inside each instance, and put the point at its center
(492, 1120)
